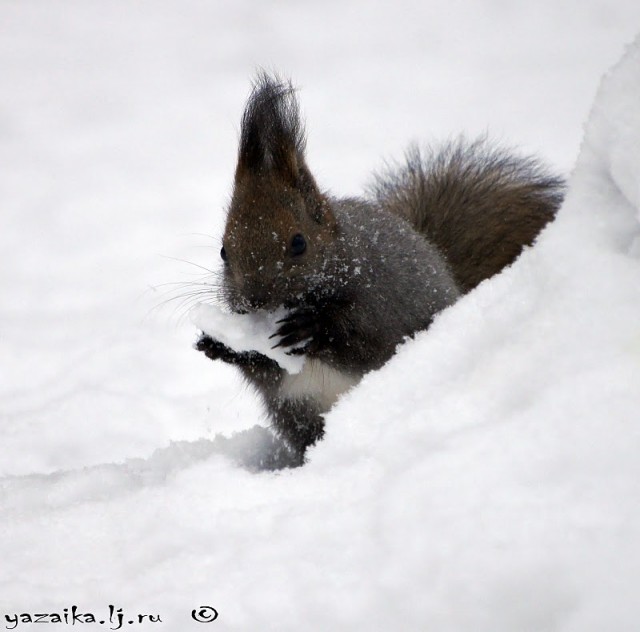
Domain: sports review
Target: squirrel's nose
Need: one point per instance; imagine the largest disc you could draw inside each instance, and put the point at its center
(254, 293)
(256, 297)
(256, 302)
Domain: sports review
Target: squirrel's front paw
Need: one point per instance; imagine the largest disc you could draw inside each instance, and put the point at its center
(213, 349)
(216, 350)
(298, 330)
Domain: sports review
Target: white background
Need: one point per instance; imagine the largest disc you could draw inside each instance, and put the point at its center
(118, 129)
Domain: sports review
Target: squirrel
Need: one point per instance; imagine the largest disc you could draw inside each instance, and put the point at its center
(359, 275)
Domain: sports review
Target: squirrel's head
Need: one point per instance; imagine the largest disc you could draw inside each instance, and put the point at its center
(279, 223)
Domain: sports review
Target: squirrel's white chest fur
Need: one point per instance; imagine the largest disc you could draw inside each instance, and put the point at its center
(319, 381)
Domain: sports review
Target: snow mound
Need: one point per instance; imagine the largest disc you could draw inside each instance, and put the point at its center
(506, 438)
(246, 332)
(609, 163)
(486, 479)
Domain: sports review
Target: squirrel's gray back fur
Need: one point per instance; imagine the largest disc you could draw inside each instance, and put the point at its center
(387, 282)
(360, 275)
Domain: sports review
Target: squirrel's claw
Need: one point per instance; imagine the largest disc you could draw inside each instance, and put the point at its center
(296, 328)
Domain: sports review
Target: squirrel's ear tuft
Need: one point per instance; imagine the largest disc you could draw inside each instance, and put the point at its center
(272, 136)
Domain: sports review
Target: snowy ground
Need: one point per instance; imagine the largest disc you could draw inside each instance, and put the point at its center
(492, 487)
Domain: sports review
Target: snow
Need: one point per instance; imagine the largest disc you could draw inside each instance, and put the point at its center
(246, 332)
(484, 479)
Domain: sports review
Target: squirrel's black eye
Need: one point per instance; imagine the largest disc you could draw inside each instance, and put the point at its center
(223, 254)
(298, 245)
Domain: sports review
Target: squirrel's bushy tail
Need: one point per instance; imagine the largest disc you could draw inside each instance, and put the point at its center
(479, 205)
